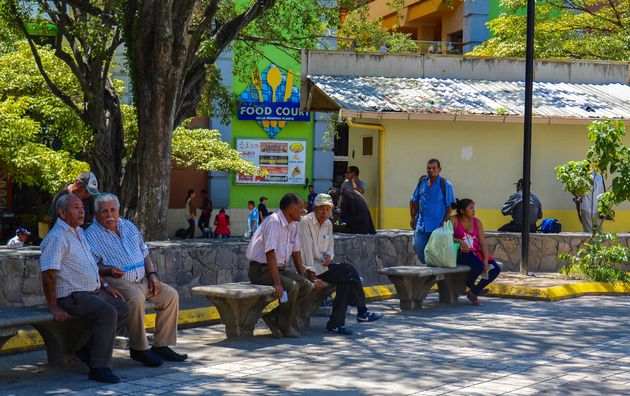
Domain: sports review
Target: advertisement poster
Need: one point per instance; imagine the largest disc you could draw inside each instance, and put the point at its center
(284, 161)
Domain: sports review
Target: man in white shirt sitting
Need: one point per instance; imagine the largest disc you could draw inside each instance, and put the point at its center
(317, 248)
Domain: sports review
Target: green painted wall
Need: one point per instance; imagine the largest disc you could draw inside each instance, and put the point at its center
(239, 193)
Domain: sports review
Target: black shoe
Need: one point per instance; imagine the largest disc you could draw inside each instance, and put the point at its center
(84, 355)
(341, 330)
(148, 358)
(103, 375)
(168, 354)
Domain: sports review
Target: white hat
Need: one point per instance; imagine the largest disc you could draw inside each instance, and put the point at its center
(323, 199)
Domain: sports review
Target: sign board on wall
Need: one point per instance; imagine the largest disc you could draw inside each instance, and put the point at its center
(284, 161)
(272, 100)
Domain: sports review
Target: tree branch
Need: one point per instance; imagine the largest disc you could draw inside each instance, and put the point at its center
(53, 87)
(226, 33)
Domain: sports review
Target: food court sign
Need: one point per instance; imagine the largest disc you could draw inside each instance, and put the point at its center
(271, 100)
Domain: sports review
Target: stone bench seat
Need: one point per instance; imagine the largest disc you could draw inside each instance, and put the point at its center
(240, 305)
(413, 283)
(62, 339)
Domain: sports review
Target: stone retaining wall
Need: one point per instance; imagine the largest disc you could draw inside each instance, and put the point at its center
(185, 264)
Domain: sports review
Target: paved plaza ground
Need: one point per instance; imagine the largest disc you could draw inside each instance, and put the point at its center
(507, 346)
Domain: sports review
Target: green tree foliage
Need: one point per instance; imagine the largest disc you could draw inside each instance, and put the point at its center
(599, 259)
(579, 29)
(608, 156)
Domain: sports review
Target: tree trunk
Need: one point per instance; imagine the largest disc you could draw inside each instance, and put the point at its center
(108, 152)
(159, 60)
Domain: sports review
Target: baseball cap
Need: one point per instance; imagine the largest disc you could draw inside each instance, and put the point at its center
(323, 199)
(88, 179)
(22, 230)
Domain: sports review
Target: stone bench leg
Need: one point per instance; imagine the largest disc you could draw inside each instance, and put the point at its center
(240, 315)
(63, 339)
(451, 287)
(413, 290)
(6, 335)
(309, 306)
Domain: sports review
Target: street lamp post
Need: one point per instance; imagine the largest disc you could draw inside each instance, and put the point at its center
(527, 136)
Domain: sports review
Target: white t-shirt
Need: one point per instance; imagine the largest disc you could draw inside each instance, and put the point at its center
(15, 243)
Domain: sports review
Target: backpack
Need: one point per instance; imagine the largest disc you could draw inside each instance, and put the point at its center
(442, 184)
(551, 226)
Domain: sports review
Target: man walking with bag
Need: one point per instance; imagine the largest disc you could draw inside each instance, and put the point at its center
(429, 206)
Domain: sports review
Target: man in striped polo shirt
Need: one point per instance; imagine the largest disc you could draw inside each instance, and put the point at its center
(117, 242)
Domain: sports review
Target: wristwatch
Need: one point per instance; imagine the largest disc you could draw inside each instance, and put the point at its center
(105, 285)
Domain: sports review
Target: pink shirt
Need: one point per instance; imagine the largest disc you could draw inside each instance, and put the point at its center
(277, 234)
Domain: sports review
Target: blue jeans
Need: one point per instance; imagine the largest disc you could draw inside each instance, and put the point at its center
(420, 240)
(476, 268)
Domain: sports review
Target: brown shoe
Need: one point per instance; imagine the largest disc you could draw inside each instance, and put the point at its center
(473, 298)
(273, 326)
(291, 333)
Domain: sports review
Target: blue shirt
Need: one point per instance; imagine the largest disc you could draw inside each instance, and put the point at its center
(126, 251)
(253, 217)
(432, 207)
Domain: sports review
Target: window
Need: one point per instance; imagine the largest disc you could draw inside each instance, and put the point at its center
(367, 145)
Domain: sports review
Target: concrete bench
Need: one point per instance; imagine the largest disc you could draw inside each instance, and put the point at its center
(62, 339)
(413, 283)
(240, 305)
(310, 306)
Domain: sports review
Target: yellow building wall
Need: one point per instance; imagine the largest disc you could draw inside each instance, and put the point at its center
(483, 160)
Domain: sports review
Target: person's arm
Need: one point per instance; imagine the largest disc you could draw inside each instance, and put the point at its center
(413, 211)
(306, 244)
(272, 267)
(357, 186)
(508, 206)
(49, 283)
(331, 246)
(450, 198)
(153, 278)
(482, 242)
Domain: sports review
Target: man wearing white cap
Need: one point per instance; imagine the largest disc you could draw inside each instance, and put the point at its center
(316, 239)
(21, 235)
(84, 187)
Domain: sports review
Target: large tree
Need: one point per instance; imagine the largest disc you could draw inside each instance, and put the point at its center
(581, 29)
(169, 46)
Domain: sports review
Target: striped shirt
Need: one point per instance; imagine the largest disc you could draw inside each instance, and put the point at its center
(277, 234)
(66, 250)
(126, 251)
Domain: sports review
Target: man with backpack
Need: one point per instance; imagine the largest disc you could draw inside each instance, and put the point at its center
(429, 206)
(513, 207)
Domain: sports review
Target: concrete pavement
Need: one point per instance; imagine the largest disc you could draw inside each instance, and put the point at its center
(520, 347)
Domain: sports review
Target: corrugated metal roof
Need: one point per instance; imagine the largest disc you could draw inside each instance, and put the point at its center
(477, 97)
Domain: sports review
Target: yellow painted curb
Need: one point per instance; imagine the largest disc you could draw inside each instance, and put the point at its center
(27, 340)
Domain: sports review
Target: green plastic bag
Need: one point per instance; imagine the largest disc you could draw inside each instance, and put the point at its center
(439, 251)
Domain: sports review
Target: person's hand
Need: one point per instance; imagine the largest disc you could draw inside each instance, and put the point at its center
(412, 223)
(116, 272)
(114, 292)
(464, 247)
(319, 284)
(59, 315)
(154, 284)
(327, 261)
(277, 290)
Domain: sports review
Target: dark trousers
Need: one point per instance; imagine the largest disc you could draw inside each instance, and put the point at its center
(476, 268)
(108, 315)
(204, 222)
(190, 233)
(296, 286)
(513, 227)
(349, 290)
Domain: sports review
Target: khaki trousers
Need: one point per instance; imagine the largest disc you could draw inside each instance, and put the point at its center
(296, 286)
(166, 307)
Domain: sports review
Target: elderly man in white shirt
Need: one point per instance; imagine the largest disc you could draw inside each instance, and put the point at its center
(117, 243)
(316, 239)
(71, 282)
(275, 241)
